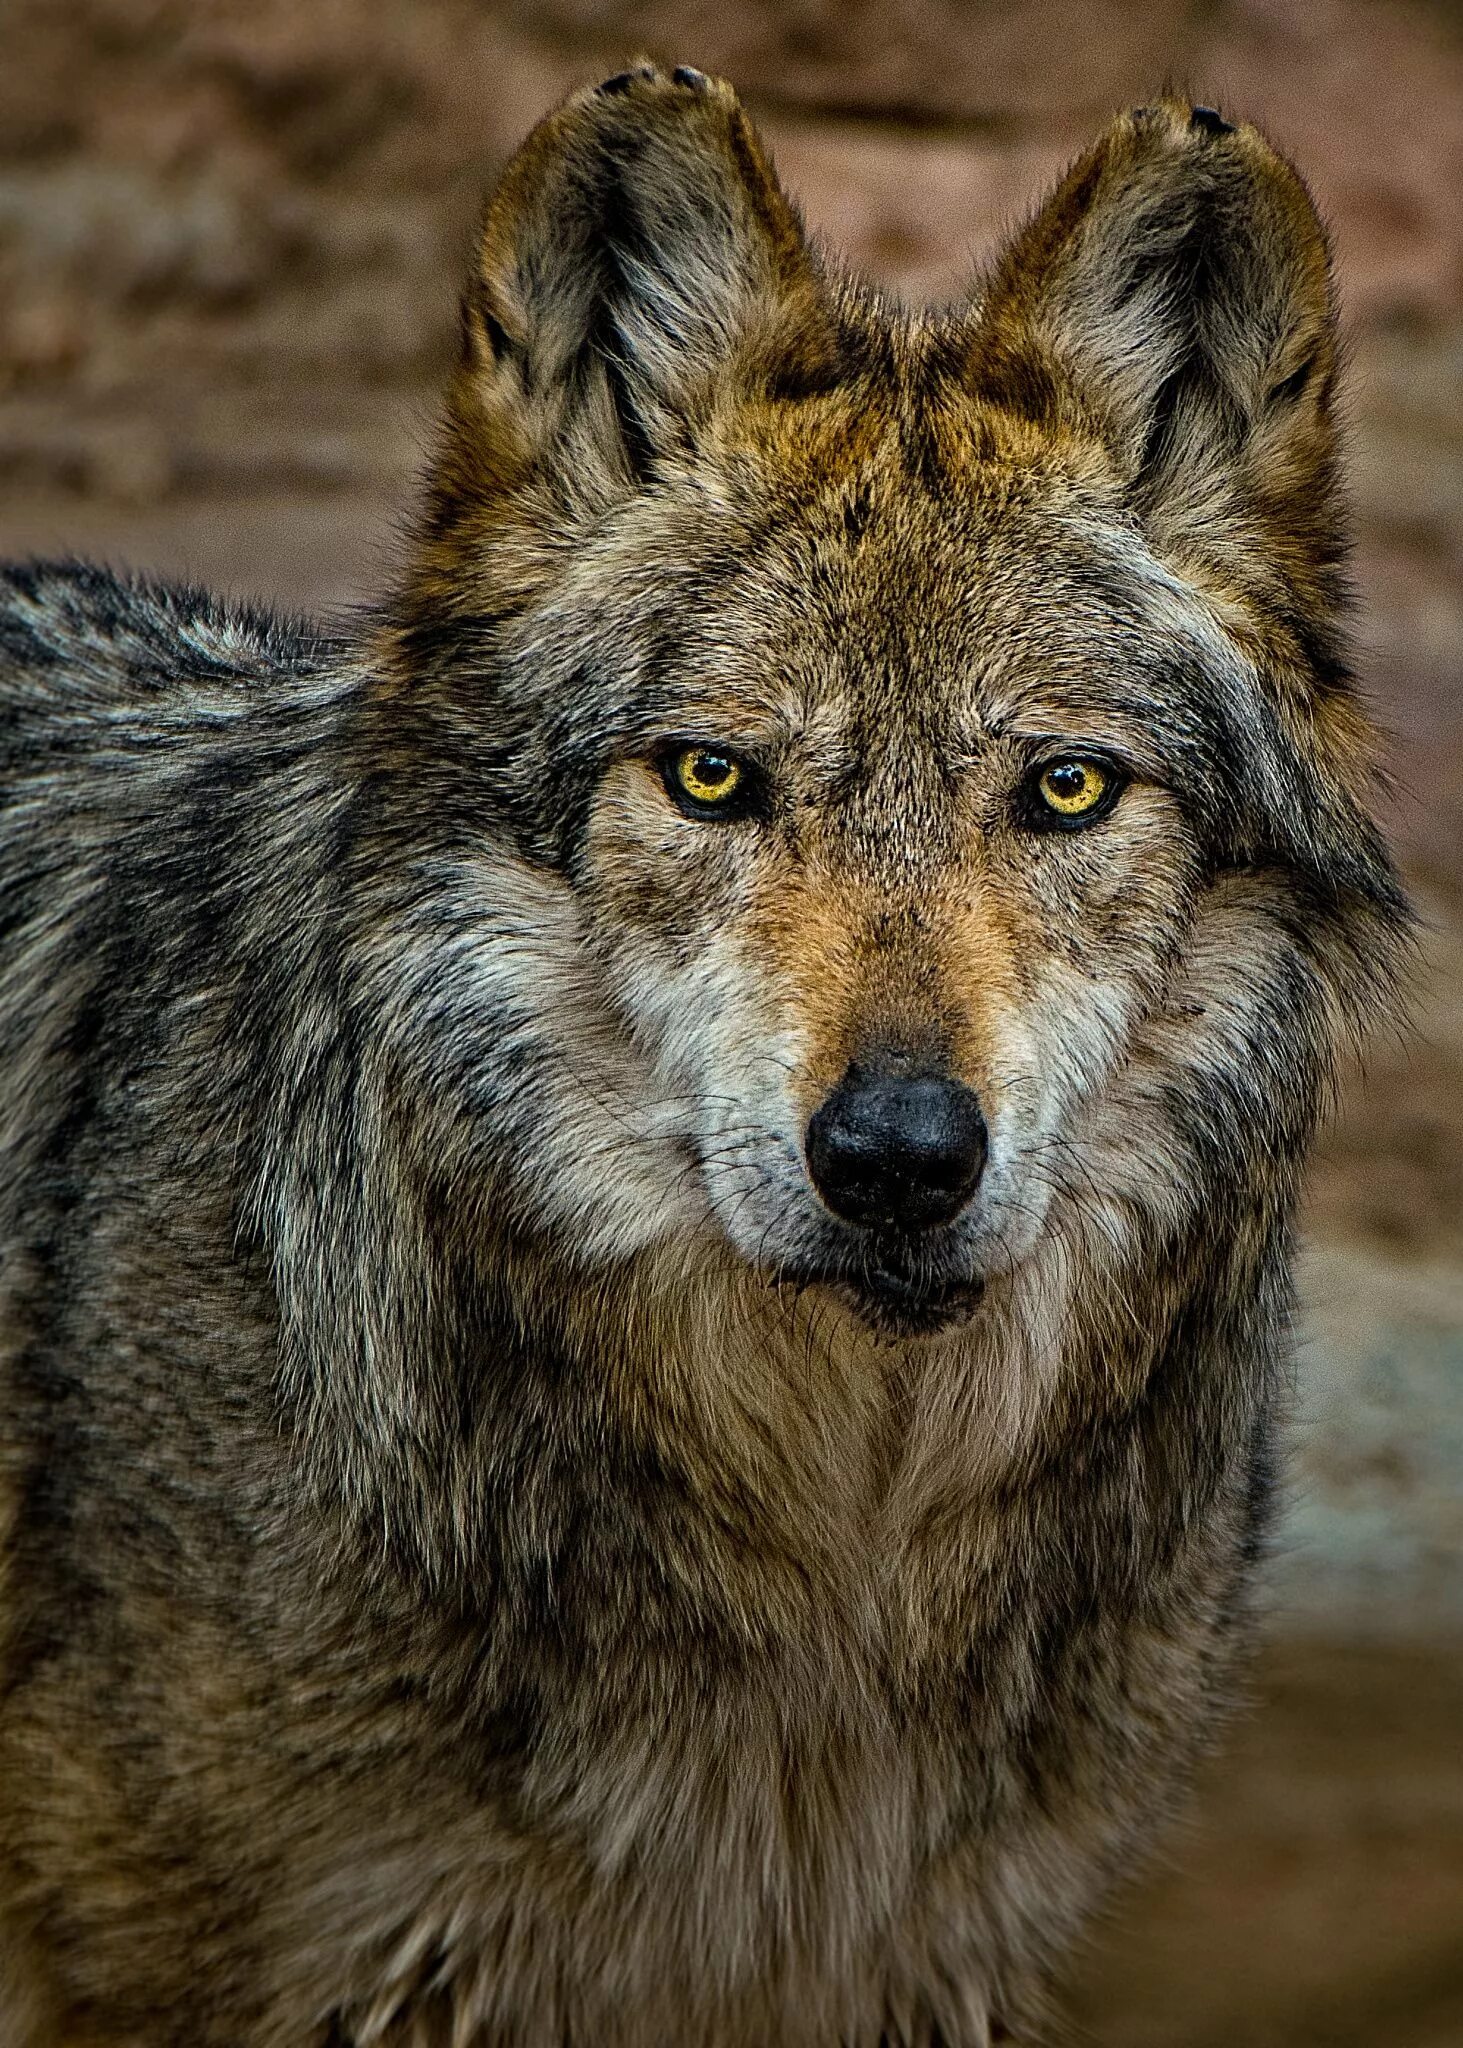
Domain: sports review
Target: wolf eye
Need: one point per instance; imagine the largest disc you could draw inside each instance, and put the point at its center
(1072, 787)
(1073, 790)
(704, 779)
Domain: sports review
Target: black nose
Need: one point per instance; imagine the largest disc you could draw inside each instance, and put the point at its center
(899, 1151)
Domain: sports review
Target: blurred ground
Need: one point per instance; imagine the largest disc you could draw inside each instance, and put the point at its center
(229, 234)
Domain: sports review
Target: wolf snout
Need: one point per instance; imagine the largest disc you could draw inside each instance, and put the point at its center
(898, 1151)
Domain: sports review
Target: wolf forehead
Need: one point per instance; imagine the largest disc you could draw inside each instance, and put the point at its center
(864, 606)
(797, 583)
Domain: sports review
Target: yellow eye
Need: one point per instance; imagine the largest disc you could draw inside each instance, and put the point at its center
(706, 775)
(1073, 788)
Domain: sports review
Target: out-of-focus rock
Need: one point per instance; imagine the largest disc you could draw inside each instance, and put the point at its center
(219, 155)
(913, 62)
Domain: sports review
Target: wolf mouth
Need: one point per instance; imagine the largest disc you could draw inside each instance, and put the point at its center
(891, 1298)
(908, 1308)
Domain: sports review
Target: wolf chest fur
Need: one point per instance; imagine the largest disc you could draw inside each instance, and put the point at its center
(645, 1201)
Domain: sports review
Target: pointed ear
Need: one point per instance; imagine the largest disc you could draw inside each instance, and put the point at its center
(1173, 296)
(637, 249)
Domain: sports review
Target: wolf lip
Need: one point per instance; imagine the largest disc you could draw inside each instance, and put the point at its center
(898, 1302)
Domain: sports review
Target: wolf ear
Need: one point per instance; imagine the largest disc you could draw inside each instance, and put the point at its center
(1174, 295)
(636, 248)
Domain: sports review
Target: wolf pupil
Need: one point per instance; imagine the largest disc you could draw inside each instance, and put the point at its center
(706, 776)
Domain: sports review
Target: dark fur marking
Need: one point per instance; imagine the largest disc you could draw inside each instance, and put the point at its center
(1023, 385)
(1291, 387)
(22, 646)
(622, 240)
(919, 442)
(855, 508)
(477, 307)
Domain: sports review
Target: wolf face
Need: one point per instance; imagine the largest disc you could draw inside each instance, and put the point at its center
(884, 706)
(883, 972)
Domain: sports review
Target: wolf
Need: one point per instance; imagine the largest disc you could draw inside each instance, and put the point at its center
(647, 1193)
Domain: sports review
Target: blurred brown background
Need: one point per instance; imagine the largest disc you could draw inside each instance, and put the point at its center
(229, 236)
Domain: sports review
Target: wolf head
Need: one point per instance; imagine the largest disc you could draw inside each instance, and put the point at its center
(863, 792)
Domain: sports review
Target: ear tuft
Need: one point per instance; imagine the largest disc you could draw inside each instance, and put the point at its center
(638, 250)
(1172, 299)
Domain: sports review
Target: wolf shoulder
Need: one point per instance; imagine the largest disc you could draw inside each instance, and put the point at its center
(135, 717)
(162, 755)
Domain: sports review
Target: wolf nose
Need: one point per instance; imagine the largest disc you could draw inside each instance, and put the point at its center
(895, 1150)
